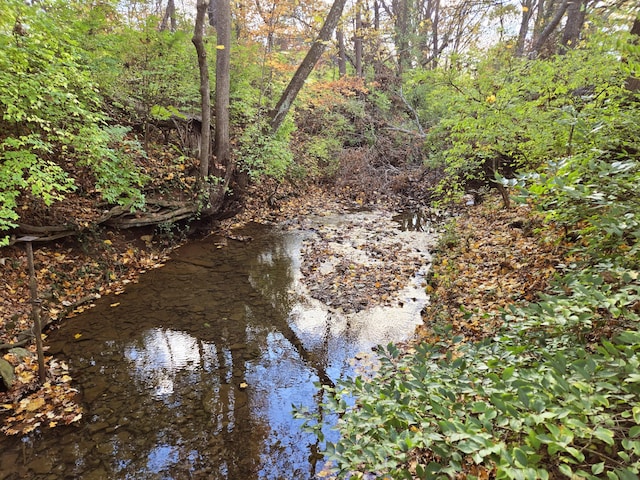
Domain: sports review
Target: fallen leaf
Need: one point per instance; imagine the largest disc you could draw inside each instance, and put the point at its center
(34, 404)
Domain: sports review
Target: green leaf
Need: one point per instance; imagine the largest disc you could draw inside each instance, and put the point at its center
(565, 470)
(636, 414)
(520, 457)
(575, 453)
(597, 468)
(604, 434)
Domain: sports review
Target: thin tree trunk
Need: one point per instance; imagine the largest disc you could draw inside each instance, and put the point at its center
(633, 83)
(35, 312)
(357, 39)
(401, 11)
(551, 26)
(342, 54)
(527, 13)
(205, 100)
(376, 15)
(223, 56)
(169, 17)
(302, 73)
(435, 24)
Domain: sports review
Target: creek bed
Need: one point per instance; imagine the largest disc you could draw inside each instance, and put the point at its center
(192, 372)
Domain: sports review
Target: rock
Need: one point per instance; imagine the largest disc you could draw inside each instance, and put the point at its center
(41, 465)
(6, 373)
(7, 463)
(90, 394)
(97, 427)
(21, 353)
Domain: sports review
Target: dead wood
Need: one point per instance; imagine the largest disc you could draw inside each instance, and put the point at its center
(131, 220)
(157, 212)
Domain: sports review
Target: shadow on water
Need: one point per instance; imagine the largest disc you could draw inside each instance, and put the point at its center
(192, 373)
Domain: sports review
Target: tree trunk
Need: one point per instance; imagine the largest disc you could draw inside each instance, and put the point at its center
(435, 24)
(527, 13)
(205, 100)
(212, 12)
(357, 39)
(223, 56)
(550, 27)
(302, 73)
(401, 11)
(376, 15)
(633, 83)
(576, 13)
(342, 54)
(169, 17)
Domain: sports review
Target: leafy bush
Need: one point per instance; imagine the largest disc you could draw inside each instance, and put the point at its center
(262, 153)
(556, 393)
(50, 114)
(495, 407)
(501, 112)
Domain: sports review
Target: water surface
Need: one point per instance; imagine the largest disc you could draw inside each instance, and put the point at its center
(192, 373)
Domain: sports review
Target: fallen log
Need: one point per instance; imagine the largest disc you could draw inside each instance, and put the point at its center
(153, 218)
(158, 211)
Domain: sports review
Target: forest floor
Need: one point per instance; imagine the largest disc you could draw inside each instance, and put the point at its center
(487, 257)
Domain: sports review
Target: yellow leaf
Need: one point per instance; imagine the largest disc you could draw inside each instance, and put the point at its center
(35, 404)
(107, 242)
(77, 336)
(219, 47)
(6, 406)
(52, 424)
(66, 378)
(26, 376)
(525, 9)
(115, 304)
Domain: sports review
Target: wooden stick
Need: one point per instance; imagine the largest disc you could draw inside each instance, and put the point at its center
(35, 302)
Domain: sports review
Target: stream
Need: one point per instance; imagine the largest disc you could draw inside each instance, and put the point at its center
(193, 371)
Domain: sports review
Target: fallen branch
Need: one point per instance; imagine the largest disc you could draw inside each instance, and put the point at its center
(154, 218)
(158, 211)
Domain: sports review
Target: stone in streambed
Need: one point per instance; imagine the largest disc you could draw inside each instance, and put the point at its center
(6, 373)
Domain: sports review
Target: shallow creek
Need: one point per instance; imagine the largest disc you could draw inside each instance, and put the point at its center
(192, 372)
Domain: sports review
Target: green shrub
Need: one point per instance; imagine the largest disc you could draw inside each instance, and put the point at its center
(50, 113)
(517, 412)
(262, 153)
